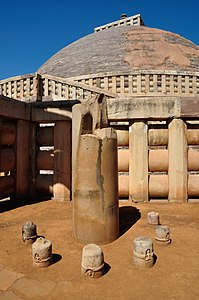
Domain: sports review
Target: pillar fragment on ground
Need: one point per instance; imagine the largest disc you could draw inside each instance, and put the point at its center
(138, 162)
(95, 202)
(177, 161)
(62, 161)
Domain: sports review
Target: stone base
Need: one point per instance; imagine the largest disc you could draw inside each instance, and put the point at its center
(143, 263)
(163, 243)
(93, 274)
(43, 264)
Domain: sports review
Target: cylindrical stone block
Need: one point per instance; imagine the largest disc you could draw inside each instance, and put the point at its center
(7, 160)
(193, 136)
(158, 186)
(7, 186)
(158, 160)
(92, 261)
(45, 160)
(42, 252)
(122, 137)
(153, 218)
(158, 137)
(193, 160)
(193, 185)
(95, 202)
(123, 186)
(29, 232)
(123, 160)
(45, 136)
(162, 235)
(8, 133)
(143, 252)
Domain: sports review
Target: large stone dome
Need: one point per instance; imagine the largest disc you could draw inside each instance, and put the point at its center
(124, 49)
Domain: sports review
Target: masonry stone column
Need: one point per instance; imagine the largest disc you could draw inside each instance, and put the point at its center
(138, 162)
(95, 202)
(62, 161)
(177, 172)
(95, 174)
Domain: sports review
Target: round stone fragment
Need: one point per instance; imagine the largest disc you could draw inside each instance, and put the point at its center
(42, 252)
(153, 218)
(162, 235)
(143, 252)
(29, 232)
(92, 261)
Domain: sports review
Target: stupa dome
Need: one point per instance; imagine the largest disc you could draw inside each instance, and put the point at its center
(124, 49)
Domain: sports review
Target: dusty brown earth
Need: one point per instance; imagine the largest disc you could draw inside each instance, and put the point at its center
(175, 274)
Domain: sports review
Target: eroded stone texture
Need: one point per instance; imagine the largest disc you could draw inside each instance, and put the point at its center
(92, 261)
(42, 252)
(123, 49)
(95, 179)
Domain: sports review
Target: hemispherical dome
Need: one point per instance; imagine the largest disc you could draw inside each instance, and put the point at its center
(123, 49)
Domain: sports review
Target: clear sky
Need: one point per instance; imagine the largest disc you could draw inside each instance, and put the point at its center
(32, 31)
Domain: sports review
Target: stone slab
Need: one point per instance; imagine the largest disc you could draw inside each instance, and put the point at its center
(9, 295)
(33, 288)
(143, 108)
(7, 278)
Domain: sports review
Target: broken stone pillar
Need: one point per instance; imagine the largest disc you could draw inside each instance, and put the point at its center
(95, 180)
(29, 232)
(42, 252)
(143, 252)
(153, 218)
(92, 261)
(162, 235)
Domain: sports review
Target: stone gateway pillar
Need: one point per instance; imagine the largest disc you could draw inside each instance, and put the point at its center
(95, 188)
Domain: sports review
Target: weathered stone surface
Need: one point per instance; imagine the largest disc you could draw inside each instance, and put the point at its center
(143, 107)
(33, 288)
(122, 49)
(138, 162)
(7, 278)
(177, 171)
(9, 295)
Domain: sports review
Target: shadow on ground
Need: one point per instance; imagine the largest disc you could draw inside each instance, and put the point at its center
(128, 216)
(56, 258)
(13, 203)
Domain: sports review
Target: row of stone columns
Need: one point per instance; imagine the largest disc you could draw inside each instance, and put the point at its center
(138, 161)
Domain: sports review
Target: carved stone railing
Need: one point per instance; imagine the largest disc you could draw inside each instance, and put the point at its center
(35, 87)
(145, 83)
(126, 21)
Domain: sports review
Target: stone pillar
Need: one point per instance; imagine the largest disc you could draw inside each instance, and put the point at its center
(177, 161)
(95, 202)
(22, 159)
(62, 161)
(138, 162)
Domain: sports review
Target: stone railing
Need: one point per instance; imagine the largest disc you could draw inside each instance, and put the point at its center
(126, 21)
(21, 87)
(145, 83)
(35, 87)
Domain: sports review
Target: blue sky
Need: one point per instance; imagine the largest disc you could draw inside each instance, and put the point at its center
(31, 32)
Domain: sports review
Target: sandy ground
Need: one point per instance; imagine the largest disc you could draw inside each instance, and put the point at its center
(175, 274)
